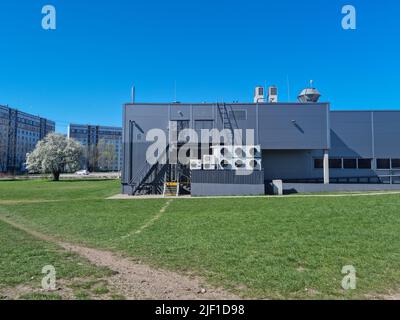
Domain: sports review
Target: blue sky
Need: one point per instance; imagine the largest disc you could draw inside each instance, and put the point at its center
(214, 50)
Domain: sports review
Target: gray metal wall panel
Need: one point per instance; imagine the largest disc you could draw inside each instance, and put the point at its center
(311, 187)
(248, 123)
(180, 112)
(289, 150)
(226, 177)
(294, 127)
(387, 134)
(210, 189)
(351, 134)
(276, 129)
(148, 117)
(203, 113)
(289, 164)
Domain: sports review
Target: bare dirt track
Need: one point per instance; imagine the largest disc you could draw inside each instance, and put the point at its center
(134, 280)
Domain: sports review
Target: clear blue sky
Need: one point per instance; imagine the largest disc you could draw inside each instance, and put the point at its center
(214, 50)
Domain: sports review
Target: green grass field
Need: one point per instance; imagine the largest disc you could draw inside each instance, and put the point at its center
(22, 258)
(255, 247)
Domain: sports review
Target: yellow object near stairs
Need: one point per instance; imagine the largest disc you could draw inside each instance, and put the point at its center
(171, 189)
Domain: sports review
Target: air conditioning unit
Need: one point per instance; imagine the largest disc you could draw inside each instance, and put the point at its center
(253, 151)
(195, 164)
(240, 164)
(253, 164)
(273, 94)
(225, 164)
(223, 152)
(240, 152)
(209, 162)
(259, 96)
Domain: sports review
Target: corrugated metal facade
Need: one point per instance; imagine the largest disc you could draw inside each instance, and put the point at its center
(293, 137)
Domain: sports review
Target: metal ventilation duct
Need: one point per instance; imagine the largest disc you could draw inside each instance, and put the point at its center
(309, 95)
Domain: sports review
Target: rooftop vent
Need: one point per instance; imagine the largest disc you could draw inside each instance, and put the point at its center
(259, 96)
(273, 94)
(309, 95)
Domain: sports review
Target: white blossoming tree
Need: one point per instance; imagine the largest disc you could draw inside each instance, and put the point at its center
(55, 154)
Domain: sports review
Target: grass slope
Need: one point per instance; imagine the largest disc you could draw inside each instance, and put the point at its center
(22, 258)
(261, 247)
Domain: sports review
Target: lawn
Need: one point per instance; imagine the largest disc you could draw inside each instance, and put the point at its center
(255, 247)
(22, 258)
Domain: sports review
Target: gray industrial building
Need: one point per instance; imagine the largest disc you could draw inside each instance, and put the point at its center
(90, 136)
(19, 134)
(305, 145)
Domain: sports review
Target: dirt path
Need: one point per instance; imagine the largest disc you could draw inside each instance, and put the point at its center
(135, 280)
(13, 202)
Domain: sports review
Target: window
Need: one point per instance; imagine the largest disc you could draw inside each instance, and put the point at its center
(383, 164)
(395, 163)
(335, 163)
(318, 164)
(350, 163)
(364, 163)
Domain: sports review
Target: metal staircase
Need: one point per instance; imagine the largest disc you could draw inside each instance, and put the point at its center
(150, 178)
(163, 179)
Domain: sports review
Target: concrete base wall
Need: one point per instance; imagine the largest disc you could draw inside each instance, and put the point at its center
(214, 189)
(126, 189)
(310, 187)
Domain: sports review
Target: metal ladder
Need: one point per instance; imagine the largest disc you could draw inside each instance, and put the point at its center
(171, 184)
(171, 189)
(226, 121)
(177, 181)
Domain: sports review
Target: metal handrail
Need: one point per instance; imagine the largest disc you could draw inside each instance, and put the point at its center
(141, 175)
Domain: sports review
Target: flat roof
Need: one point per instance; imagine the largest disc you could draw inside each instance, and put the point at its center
(254, 104)
(95, 126)
(25, 114)
(226, 103)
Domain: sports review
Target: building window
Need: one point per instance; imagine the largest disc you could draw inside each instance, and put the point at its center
(395, 163)
(383, 164)
(364, 163)
(318, 163)
(350, 163)
(335, 163)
